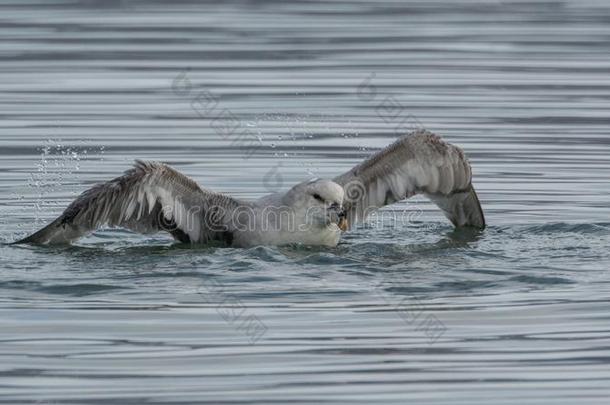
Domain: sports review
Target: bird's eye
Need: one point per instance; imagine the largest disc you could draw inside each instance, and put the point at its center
(318, 197)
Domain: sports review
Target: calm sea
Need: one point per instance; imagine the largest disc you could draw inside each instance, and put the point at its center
(249, 97)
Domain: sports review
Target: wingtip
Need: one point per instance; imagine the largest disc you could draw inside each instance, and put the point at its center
(473, 211)
(43, 236)
(28, 240)
(463, 208)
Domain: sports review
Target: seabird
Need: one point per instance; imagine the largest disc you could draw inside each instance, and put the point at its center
(153, 197)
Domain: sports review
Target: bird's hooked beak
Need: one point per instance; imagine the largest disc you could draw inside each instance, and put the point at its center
(341, 217)
(343, 224)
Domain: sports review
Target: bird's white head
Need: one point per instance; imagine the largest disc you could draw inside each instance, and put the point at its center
(321, 201)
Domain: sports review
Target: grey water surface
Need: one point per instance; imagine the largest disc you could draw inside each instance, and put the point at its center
(249, 97)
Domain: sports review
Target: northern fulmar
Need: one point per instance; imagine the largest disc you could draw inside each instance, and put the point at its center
(153, 197)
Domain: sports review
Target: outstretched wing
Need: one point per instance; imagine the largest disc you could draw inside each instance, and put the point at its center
(419, 163)
(148, 198)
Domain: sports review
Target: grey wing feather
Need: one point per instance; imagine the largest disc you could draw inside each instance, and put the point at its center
(148, 198)
(419, 163)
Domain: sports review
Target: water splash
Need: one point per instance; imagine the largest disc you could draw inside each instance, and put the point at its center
(302, 129)
(58, 169)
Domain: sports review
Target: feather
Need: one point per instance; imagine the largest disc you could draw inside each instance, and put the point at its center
(161, 198)
(419, 163)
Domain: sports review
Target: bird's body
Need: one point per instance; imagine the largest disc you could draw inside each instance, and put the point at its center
(153, 197)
